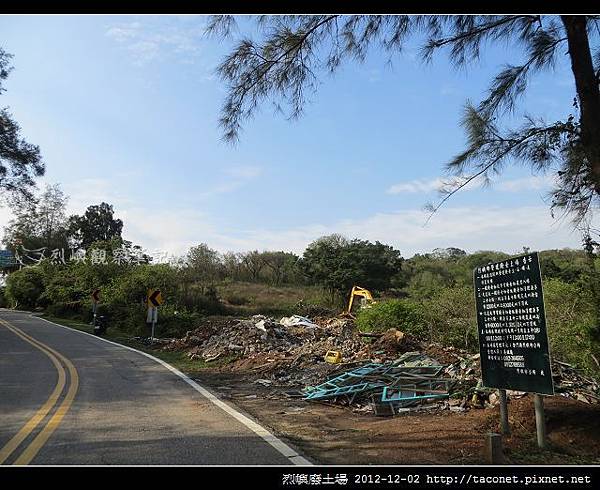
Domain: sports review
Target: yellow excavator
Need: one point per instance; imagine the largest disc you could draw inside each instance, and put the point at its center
(366, 298)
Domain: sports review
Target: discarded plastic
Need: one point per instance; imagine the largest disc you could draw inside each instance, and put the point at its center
(333, 357)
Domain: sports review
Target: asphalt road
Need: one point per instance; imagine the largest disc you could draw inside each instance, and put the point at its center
(70, 398)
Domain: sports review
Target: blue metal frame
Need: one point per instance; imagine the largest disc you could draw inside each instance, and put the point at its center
(353, 382)
(399, 398)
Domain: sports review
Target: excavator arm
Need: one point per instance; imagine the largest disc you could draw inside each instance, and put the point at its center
(360, 292)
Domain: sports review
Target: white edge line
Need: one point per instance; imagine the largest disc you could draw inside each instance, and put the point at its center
(259, 430)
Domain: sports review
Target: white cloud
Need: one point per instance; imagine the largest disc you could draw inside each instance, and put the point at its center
(173, 231)
(87, 192)
(526, 184)
(157, 38)
(476, 228)
(124, 32)
(511, 185)
(421, 186)
(468, 228)
(237, 177)
(5, 214)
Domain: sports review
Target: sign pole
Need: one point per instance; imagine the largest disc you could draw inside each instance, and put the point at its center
(153, 323)
(504, 426)
(95, 300)
(154, 300)
(540, 420)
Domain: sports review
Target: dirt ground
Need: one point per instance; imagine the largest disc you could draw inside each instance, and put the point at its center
(330, 434)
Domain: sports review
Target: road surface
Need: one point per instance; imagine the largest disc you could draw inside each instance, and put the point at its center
(70, 398)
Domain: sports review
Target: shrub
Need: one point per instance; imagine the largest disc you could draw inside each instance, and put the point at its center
(395, 313)
(237, 299)
(202, 300)
(570, 318)
(24, 287)
(72, 309)
(450, 317)
(174, 322)
(127, 318)
(132, 288)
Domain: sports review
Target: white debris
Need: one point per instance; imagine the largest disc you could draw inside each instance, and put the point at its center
(297, 320)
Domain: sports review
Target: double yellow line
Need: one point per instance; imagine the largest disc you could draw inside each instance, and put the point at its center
(44, 434)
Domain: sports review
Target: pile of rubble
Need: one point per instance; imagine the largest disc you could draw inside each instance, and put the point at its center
(569, 382)
(290, 351)
(382, 373)
(246, 338)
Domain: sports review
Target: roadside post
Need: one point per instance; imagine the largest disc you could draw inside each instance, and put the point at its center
(540, 420)
(95, 301)
(504, 425)
(155, 299)
(513, 340)
(493, 448)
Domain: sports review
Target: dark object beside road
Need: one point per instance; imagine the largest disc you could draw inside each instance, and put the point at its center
(100, 325)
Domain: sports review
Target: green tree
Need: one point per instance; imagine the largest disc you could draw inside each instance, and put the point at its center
(253, 263)
(283, 64)
(203, 264)
(448, 253)
(337, 264)
(119, 251)
(24, 287)
(20, 162)
(423, 274)
(232, 264)
(591, 279)
(96, 224)
(40, 221)
(281, 265)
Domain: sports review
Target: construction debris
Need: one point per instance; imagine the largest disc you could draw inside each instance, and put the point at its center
(411, 380)
(382, 373)
(569, 382)
(296, 320)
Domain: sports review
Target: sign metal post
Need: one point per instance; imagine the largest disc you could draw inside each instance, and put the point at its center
(504, 426)
(540, 420)
(95, 301)
(154, 314)
(155, 299)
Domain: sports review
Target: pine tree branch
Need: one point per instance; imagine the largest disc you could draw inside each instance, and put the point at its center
(434, 44)
(488, 166)
(296, 46)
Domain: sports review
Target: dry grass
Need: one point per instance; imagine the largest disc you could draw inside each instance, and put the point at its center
(254, 298)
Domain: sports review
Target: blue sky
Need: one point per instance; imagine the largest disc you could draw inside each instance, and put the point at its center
(125, 110)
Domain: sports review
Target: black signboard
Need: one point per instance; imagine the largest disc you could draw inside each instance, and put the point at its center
(511, 321)
(7, 258)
